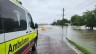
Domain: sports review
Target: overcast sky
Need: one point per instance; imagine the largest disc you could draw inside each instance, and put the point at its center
(46, 11)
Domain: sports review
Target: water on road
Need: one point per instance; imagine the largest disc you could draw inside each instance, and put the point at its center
(48, 45)
(83, 37)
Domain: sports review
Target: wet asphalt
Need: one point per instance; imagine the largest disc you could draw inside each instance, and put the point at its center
(48, 45)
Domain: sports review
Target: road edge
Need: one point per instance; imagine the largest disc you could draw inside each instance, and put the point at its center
(72, 46)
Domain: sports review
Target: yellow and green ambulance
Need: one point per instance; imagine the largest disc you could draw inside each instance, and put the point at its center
(17, 29)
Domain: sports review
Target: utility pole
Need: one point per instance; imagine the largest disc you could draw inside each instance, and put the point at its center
(63, 13)
(62, 23)
(63, 17)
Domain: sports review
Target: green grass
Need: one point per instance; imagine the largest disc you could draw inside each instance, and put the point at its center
(82, 49)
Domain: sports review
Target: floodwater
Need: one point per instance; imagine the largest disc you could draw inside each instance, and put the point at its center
(82, 36)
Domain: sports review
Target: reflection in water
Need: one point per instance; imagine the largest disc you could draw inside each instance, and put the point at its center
(85, 38)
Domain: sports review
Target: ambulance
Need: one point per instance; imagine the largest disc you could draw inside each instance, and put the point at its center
(17, 29)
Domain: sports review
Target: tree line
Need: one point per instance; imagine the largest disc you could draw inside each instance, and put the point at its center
(88, 19)
(61, 22)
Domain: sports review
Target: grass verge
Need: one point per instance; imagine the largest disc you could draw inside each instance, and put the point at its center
(82, 49)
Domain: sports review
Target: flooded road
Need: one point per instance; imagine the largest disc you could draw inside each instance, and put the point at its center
(83, 37)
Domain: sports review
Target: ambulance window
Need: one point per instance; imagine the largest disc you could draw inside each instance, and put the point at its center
(31, 21)
(14, 18)
(1, 27)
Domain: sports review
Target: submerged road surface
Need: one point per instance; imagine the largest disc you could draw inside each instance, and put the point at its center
(48, 45)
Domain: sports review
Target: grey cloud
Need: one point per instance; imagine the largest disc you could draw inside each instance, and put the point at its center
(46, 11)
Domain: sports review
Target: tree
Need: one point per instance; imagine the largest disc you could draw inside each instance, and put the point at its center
(59, 22)
(90, 19)
(54, 23)
(76, 20)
